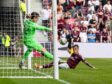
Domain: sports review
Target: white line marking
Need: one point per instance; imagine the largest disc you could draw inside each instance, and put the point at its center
(63, 81)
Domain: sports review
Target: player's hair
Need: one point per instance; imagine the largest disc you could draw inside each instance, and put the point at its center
(34, 14)
(76, 46)
(23, 0)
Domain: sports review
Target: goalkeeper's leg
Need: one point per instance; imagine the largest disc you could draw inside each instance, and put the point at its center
(40, 48)
(35, 46)
(26, 54)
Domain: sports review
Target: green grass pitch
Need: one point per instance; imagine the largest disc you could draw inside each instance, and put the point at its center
(81, 75)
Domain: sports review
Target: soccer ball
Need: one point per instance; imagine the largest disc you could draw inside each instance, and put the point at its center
(63, 41)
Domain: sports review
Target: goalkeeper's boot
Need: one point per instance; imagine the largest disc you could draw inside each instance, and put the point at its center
(20, 65)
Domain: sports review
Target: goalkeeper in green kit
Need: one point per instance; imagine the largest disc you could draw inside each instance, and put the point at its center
(30, 27)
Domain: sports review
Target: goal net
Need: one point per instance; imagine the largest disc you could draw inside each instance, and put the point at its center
(12, 48)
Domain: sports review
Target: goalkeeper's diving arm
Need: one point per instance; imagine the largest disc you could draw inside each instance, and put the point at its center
(43, 28)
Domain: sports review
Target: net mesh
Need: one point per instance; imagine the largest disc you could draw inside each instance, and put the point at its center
(12, 48)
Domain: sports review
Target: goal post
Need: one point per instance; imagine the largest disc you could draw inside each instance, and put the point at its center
(56, 68)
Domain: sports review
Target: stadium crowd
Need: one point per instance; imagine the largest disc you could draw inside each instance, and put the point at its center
(85, 20)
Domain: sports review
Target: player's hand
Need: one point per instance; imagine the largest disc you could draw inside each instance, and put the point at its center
(50, 29)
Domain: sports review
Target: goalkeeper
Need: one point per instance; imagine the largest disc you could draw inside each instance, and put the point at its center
(30, 27)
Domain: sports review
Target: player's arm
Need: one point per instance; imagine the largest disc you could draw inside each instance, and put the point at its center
(88, 64)
(43, 28)
(37, 66)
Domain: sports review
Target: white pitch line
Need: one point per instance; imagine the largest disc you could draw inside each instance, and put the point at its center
(63, 81)
(42, 73)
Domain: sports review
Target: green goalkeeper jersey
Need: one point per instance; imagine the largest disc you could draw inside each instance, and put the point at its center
(30, 27)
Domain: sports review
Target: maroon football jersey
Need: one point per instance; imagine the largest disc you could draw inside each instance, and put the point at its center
(105, 34)
(74, 60)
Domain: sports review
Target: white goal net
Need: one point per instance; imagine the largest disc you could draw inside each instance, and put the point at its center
(12, 48)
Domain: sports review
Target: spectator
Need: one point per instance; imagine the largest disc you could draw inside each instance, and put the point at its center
(6, 40)
(93, 21)
(104, 36)
(70, 5)
(92, 29)
(107, 15)
(104, 2)
(60, 8)
(63, 33)
(79, 16)
(6, 43)
(67, 26)
(61, 23)
(101, 25)
(89, 15)
(91, 6)
(96, 4)
(85, 22)
(72, 11)
(108, 6)
(77, 26)
(79, 3)
(108, 29)
(83, 27)
(59, 11)
(91, 37)
(83, 36)
(16, 46)
(98, 36)
(100, 12)
(23, 8)
(100, 15)
(45, 14)
(76, 36)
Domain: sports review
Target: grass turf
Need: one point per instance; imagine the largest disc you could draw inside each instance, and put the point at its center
(81, 75)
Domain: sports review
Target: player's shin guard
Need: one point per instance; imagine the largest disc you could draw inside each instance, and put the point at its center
(48, 55)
